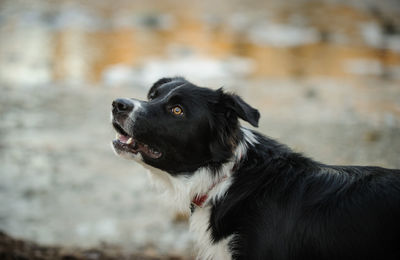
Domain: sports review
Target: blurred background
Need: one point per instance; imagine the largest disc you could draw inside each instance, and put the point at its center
(325, 75)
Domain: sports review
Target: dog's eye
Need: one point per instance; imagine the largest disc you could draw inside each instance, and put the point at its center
(177, 110)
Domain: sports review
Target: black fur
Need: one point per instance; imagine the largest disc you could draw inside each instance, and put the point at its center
(283, 205)
(280, 205)
(205, 136)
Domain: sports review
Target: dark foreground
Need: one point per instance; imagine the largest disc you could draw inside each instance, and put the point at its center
(15, 249)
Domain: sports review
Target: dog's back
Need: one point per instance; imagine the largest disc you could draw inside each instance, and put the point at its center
(285, 206)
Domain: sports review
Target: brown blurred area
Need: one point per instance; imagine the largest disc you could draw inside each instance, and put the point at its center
(83, 40)
(325, 75)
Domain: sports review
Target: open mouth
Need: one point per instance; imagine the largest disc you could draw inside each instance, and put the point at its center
(128, 143)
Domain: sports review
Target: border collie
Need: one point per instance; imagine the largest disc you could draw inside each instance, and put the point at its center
(249, 196)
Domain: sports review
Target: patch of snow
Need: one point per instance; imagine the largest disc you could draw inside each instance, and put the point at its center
(372, 34)
(74, 16)
(282, 35)
(364, 67)
(25, 56)
(393, 42)
(394, 72)
(198, 69)
(119, 74)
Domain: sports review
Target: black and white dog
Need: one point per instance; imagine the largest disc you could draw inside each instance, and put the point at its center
(249, 196)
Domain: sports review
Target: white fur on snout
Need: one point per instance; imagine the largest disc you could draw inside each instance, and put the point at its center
(137, 106)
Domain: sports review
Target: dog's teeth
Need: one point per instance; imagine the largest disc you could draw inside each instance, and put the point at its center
(130, 140)
(117, 135)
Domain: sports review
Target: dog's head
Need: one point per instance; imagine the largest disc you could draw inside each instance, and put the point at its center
(181, 127)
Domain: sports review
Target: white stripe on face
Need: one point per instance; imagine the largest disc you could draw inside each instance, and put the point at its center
(172, 91)
(137, 106)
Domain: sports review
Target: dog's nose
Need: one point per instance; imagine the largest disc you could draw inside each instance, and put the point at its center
(122, 105)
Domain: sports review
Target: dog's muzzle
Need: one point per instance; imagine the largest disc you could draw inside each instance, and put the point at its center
(125, 140)
(122, 105)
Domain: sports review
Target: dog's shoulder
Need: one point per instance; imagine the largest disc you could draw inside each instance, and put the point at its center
(279, 195)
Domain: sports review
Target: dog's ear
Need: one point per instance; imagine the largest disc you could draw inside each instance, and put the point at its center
(160, 82)
(235, 105)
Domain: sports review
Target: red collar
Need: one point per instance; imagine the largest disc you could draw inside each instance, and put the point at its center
(199, 200)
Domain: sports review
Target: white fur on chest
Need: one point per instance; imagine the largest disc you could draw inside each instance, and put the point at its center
(207, 250)
(182, 189)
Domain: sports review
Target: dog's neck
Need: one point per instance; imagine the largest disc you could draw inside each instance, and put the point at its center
(203, 186)
(248, 138)
(200, 199)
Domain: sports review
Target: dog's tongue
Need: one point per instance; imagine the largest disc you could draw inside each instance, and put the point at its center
(123, 138)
